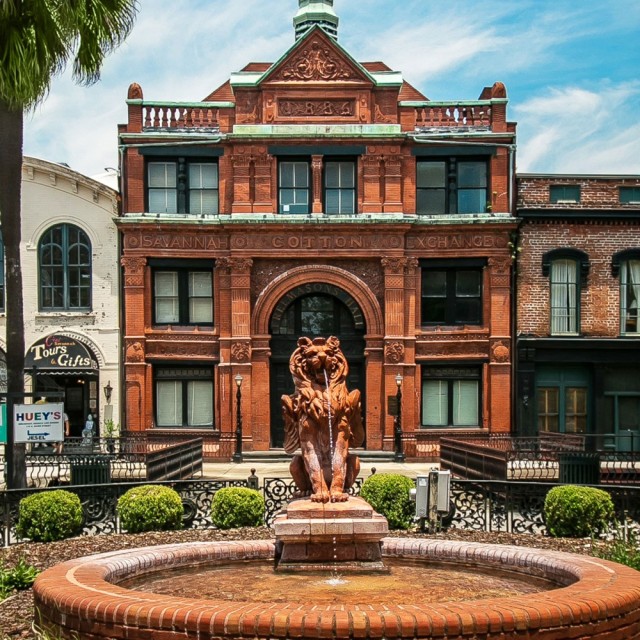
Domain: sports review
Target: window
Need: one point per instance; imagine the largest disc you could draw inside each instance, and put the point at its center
(567, 269)
(340, 187)
(451, 186)
(294, 191)
(452, 296)
(182, 296)
(64, 256)
(564, 193)
(183, 186)
(564, 297)
(562, 400)
(629, 195)
(629, 296)
(450, 396)
(184, 396)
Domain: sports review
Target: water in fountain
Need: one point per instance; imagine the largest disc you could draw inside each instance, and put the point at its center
(335, 578)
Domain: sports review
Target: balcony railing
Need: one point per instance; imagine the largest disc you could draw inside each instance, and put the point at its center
(447, 115)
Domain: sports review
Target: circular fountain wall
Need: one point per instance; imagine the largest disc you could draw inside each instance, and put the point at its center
(83, 598)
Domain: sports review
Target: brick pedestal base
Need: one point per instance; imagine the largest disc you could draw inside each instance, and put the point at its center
(311, 535)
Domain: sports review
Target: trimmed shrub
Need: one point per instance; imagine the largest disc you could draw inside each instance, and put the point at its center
(576, 512)
(150, 508)
(49, 516)
(388, 494)
(234, 507)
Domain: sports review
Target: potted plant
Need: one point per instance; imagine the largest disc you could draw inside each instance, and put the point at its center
(111, 432)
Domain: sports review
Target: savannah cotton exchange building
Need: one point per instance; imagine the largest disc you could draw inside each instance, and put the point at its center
(317, 196)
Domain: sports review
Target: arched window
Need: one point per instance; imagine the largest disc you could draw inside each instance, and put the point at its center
(626, 265)
(64, 257)
(566, 269)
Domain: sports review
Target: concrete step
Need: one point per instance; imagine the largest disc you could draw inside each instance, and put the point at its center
(279, 455)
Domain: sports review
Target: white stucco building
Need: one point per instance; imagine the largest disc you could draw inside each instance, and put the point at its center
(71, 291)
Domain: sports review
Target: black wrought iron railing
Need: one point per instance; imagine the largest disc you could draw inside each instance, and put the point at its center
(575, 458)
(480, 505)
(103, 460)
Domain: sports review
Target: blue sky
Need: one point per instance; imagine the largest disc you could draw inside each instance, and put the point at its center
(571, 68)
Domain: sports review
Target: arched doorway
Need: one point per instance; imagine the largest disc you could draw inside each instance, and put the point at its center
(62, 364)
(313, 310)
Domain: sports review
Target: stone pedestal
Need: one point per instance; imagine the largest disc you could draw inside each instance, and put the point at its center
(310, 535)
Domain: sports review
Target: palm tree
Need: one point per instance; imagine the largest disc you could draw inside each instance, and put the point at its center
(38, 39)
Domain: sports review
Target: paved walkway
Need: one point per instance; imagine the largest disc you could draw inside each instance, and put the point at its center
(242, 470)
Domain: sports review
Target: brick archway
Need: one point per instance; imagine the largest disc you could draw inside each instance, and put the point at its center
(356, 288)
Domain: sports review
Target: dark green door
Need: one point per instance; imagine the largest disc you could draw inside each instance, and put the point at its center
(313, 315)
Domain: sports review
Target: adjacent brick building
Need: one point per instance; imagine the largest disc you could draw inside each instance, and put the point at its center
(317, 195)
(578, 289)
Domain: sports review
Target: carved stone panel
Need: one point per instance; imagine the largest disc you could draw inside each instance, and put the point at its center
(314, 62)
(316, 108)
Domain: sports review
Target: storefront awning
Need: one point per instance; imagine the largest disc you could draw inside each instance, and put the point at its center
(60, 355)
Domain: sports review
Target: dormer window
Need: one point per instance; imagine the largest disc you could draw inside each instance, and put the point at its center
(564, 194)
(629, 195)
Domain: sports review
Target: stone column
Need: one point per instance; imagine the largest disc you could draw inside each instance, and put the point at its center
(316, 184)
(235, 344)
(241, 184)
(137, 414)
(393, 183)
(263, 194)
(394, 343)
(371, 201)
(500, 348)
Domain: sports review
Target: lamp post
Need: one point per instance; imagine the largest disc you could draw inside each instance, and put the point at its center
(397, 429)
(237, 456)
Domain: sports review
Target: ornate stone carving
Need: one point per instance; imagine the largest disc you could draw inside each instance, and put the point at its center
(319, 370)
(500, 351)
(241, 351)
(317, 108)
(234, 264)
(133, 266)
(394, 352)
(394, 266)
(134, 352)
(316, 61)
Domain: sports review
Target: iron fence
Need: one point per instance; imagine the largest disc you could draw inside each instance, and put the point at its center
(102, 460)
(480, 505)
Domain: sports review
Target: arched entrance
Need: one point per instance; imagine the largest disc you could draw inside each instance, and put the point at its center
(59, 363)
(313, 310)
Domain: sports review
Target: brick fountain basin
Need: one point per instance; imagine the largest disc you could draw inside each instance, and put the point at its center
(595, 599)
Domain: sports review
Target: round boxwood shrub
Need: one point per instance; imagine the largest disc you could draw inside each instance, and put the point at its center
(388, 494)
(49, 516)
(234, 507)
(576, 512)
(150, 508)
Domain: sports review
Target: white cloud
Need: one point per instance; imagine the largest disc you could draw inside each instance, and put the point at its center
(574, 130)
(183, 50)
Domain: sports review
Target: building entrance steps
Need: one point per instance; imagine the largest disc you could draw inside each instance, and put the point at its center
(280, 469)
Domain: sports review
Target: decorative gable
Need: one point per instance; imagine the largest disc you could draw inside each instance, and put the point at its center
(317, 58)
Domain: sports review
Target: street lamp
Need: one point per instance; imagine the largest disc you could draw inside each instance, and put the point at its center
(397, 428)
(237, 456)
(108, 389)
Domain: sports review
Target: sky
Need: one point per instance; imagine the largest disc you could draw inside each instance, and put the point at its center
(571, 68)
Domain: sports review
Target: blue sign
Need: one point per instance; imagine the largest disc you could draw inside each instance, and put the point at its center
(3, 423)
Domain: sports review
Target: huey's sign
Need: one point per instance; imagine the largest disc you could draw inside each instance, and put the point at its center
(38, 422)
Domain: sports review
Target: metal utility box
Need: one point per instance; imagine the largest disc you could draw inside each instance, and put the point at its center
(422, 496)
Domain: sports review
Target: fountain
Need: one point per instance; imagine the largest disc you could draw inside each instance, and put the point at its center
(548, 595)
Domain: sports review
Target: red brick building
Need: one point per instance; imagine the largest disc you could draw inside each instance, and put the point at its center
(317, 195)
(578, 345)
